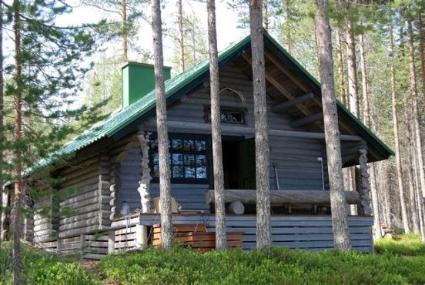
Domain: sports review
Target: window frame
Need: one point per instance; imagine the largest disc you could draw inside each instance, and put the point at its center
(193, 137)
(243, 111)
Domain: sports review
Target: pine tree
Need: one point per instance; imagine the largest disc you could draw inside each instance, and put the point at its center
(396, 130)
(332, 133)
(262, 150)
(162, 130)
(220, 210)
(1, 122)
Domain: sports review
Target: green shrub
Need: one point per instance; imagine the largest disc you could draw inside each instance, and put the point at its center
(44, 268)
(277, 266)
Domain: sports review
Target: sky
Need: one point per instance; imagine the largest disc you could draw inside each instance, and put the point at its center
(226, 24)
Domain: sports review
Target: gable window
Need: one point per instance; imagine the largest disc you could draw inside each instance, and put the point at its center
(227, 115)
(188, 159)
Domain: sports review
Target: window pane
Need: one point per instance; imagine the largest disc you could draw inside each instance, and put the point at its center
(189, 159)
(178, 172)
(177, 144)
(190, 172)
(189, 145)
(201, 172)
(201, 145)
(201, 160)
(177, 159)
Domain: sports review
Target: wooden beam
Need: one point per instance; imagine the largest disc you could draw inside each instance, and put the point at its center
(278, 86)
(292, 77)
(307, 120)
(317, 197)
(293, 102)
(246, 131)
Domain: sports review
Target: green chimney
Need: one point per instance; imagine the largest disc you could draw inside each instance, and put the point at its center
(138, 79)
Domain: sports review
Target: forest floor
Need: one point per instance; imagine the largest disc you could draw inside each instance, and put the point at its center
(397, 261)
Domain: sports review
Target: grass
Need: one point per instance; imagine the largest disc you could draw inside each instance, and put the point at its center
(409, 244)
(400, 261)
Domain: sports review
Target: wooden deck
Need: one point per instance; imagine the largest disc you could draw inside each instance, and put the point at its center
(303, 232)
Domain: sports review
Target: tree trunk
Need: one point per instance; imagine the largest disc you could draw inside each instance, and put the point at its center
(162, 130)
(288, 29)
(367, 118)
(266, 15)
(351, 65)
(330, 116)
(16, 208)
(396, 132)
(410, 169)
(422, 54)
(220, 227)
(341, 71)
(124, 30)
(262, 149)
(181, 32)
(1, 123)
(415, 113)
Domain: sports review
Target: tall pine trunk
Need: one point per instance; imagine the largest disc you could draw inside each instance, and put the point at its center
(288, 31)
(367, 118)
(351, 64)
(181, 33)
(1, 123)
(266, 15)
(411, 176)
(220, 227)
(262, 150)
(416, 115)
(124, 30)
(339, 207)
(396, 131)
(17, 197)
(341, 70)
(162, 129)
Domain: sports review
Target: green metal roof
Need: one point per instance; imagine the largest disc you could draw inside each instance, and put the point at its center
(118, 121)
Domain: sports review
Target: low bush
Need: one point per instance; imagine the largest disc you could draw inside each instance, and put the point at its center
(277, 266)
(44, 268)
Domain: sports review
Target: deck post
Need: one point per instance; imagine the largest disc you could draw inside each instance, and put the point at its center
(363, 186)
(144, 191)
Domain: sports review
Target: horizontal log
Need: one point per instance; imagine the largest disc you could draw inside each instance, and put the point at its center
(240, 130)
(306, 120)
(283, 196)
(290, 103)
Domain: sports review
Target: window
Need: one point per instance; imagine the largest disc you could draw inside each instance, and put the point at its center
(228, 115)
(188, 159)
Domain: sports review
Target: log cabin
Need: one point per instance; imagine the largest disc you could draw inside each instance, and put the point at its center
(106, 189)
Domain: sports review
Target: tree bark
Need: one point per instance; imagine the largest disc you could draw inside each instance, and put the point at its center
(266, 15)
(410, 169)
(262, 149)
(220, 227)
(341, 71)
(352, 66)
(422, 54)
(367, 118)
(16, 208)
(288, 29)
(396, 132)
(415, 113)
(162, 130)
(124, 30)
(333, 143)
(1, 123)
(181, 32)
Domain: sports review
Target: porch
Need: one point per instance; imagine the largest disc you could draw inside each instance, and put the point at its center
(306, 232)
